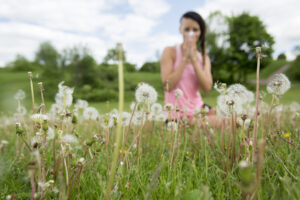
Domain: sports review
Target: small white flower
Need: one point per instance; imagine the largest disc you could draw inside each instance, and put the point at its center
(20, 95)
(121, 163)
(145, 94)
(243, 164)
(178, 93)
(81, 161)
(90, 113)
(4, 142)
(279, 84)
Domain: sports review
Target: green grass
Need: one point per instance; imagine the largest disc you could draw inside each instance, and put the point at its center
(270, 69)
(11, 82)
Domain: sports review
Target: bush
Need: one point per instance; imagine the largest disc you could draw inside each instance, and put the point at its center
(97, 95)
(150, 67)
(294, 71)
(281, 56)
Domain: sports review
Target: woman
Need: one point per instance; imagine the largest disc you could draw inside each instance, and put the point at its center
(184, 67)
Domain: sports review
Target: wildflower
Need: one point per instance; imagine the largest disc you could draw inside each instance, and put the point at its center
(81, 104)
(156, 108)
(178, 93)
(145, 94)
(243, 164)
(172, 126)
(20, 95)
(90, 113)
(81, 161)
(287, 135)
(39, 118)
(64, 96)
(125, 118)
(238, 91)
(161, 117)
(50, 134)
(69, 139)
(279, 84)
(220, 87)
(138, 118)
(168, 107)
(227, 105)
(22, 110)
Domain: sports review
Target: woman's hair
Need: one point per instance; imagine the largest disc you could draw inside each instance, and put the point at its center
(201, 41)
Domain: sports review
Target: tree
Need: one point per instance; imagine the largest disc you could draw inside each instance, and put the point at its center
(112, 56)
(245, 33)
(217, 44)
(47, 55)
(22, 64)
(150, 67)
(281, 56)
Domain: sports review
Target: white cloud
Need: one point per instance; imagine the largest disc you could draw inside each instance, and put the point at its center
(66, 23)
(282, 18)
(153, 8)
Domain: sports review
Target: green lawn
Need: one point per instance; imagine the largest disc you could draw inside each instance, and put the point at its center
(11, 82)
(268, 70)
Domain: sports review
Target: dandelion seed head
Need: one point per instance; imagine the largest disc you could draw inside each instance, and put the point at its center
(220, 87)
(20, 95)
(81, 104)
(69, 139)
(90, 113)
(172, 126)
(178, 93)
(64, 96)
(168, 107)
(145, 94)
(279, 84)
(156, 108)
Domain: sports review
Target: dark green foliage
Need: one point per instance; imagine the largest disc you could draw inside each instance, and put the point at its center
(281, 56)
(22, 64)
(150, 67)
(294, 71)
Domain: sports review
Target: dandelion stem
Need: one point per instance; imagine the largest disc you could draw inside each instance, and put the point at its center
(258, 55)
(121, 102)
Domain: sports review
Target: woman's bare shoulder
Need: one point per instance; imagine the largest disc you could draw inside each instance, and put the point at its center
(170, 51)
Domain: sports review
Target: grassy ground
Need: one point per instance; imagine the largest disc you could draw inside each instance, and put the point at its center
(270, 69)
(11, 82)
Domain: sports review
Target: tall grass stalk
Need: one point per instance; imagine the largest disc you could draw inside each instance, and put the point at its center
(119, 126)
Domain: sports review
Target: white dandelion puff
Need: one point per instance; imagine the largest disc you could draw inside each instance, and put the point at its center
(169, 107)
(279, 84)
(172, 126)
(220, 87)
(64, 96)
(69, 139)
(81, 104)
(145, 94)
(90, 113)
(20, 95)
(38, 118)
(156, 108)
(178, 93)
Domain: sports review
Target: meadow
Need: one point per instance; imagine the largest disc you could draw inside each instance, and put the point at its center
(73, 149)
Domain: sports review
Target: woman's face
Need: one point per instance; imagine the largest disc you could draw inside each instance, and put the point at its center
(190, 30)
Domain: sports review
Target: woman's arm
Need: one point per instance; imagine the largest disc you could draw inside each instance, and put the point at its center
(169, 76)
(204, 75)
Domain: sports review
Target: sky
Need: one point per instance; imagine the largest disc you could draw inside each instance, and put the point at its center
(144, 27)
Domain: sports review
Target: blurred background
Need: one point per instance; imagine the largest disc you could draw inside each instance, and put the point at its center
(74, 41)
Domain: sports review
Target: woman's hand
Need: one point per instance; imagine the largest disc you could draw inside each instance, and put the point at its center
(189, 48)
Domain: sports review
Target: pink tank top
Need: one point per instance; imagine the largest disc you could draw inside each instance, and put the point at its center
(188, 83)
